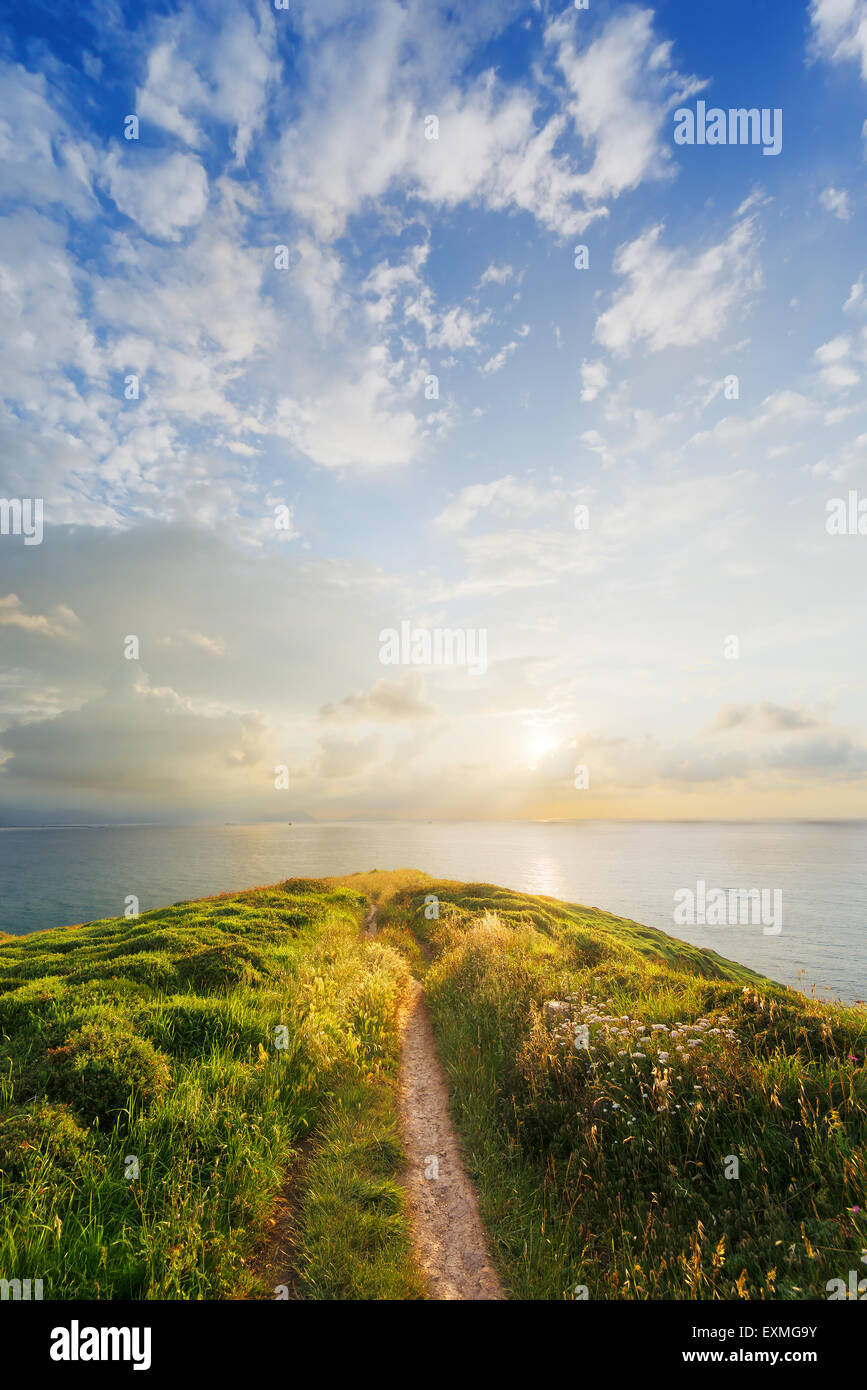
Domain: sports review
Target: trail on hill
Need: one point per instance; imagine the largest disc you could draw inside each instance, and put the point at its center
(450, 1238)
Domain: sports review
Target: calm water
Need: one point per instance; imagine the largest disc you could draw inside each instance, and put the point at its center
(53, 877)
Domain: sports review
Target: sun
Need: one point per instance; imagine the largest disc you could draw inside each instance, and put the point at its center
(540, 744)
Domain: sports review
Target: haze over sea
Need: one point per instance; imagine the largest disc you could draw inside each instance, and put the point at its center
(54, 877)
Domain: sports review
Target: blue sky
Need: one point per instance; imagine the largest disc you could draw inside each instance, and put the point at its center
(412, 258)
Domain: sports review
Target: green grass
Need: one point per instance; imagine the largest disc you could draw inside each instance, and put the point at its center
(154, 1040)
(353, 1239)
(604, 1168)
(600, 1168)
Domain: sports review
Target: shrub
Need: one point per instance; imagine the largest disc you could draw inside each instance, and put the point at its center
(30, 1003)
(150, 968)
(41, 1133)
(101, 1070)
(221, 967)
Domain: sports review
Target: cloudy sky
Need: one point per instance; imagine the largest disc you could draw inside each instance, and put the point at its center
(338, 266)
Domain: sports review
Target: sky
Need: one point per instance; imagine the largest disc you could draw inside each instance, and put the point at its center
(307, 354)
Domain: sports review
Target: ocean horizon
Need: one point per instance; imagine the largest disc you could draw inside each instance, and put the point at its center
(52, 876)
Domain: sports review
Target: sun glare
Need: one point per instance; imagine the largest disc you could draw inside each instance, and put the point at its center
(540, 743)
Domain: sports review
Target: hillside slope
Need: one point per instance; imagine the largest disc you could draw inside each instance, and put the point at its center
(162, 1080)
(205, 1041)
(703, 1138)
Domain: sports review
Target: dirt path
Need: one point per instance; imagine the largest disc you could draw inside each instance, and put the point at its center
(451, 1243)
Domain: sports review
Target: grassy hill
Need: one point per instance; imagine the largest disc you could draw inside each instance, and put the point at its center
(605, 1168)
(155, 1039)
(244, 1050)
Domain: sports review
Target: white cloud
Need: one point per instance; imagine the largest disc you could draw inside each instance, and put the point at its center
(369, 142)
(45, 328)
(215, 646)
(490, 151)
(452, 329)
(385, 282)
(499, 360)
(520, 559)
(13, 614)
(839, 376)
(496, 275)
(783, 414)
(856, 295)
(673, 299)
(504, 497)
(594, 378)
(834, 351)
(386, 702)
(164, 197)
(360, 134)
(623, 87)
(361, 422)
(457, 329)
(139, 736)
(171, 80)
(41, 157)
(840, 30)
(234, 66)
(318, 272)
(833, 357)
(836, 201)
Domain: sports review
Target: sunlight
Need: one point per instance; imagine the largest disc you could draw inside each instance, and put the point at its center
(540, 743)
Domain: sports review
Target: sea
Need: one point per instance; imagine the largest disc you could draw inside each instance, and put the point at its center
(638, 869)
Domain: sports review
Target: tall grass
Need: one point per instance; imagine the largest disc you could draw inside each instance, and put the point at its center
(150, 1113)
(607, 1170)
